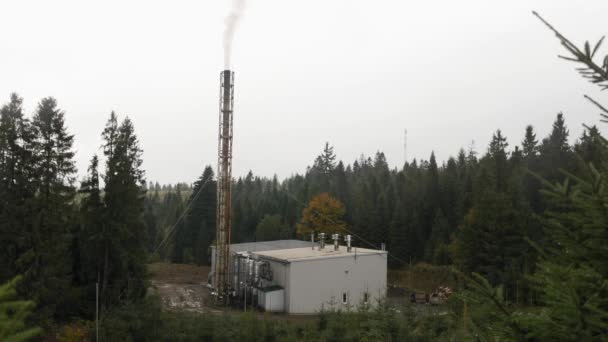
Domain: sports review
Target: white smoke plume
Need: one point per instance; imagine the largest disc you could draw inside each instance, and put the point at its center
(232, 20)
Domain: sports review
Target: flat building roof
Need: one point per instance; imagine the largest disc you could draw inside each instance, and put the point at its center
(258, 246)
(307, 253)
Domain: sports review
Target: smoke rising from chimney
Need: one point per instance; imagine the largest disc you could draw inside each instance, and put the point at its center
(232, 20)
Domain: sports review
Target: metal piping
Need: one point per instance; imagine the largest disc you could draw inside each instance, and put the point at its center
(336, 238)
(348, 240)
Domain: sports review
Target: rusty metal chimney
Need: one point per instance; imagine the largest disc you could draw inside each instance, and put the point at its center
(224, 182)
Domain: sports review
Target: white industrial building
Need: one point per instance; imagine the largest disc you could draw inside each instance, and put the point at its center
(302, 277)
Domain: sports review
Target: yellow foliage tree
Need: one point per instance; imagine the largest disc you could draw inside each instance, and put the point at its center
(324, 214)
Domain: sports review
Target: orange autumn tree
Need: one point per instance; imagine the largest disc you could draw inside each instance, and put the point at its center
(324, 214)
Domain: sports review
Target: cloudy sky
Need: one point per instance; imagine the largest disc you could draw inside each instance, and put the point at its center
(355, 73)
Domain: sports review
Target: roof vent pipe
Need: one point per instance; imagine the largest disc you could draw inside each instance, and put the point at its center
(336, 238)
(312, 240)
(321, 241)
(348, 240)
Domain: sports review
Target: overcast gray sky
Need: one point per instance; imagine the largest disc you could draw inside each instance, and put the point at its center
(352, 72)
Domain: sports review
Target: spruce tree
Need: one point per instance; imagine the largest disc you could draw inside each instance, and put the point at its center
(198, 230)
(591, 147)
(92, 237)
(397, 235)
(124, 252)
(17, 185)
(555, 153)
(46, 264)
(572, 273)
(436, 246)
(530, 144)
(326, 162)
(497, 154)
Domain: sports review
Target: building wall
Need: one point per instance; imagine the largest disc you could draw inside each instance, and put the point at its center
(280, 276)
(259, 246)
(272, 301)
(320, 283)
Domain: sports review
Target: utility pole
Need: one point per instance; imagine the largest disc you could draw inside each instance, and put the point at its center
(97, 310)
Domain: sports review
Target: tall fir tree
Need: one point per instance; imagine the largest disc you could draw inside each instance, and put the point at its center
(529, 144)
(124, 253)
(46, 265)
(17, 185)
(92, 236)
(555, 152)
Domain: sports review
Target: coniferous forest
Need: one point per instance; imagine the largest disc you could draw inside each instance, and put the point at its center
(522, 223)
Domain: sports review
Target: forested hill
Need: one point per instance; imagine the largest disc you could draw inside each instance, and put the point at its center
(474, 210)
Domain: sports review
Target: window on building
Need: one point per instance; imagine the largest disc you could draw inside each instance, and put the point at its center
(365, 298)
(344, 298)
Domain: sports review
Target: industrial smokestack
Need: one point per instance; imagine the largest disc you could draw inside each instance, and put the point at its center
(224, 179)
(232, 20)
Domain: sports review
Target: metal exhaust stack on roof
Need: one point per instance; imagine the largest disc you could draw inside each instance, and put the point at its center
(336, 238)
(321, 241)
(348, 240)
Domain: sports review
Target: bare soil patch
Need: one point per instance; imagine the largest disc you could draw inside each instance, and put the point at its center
(181, 287)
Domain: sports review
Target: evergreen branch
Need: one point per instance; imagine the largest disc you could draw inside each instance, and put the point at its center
(483, 288)
(602, 108)
(536, 247)
(595, 73)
